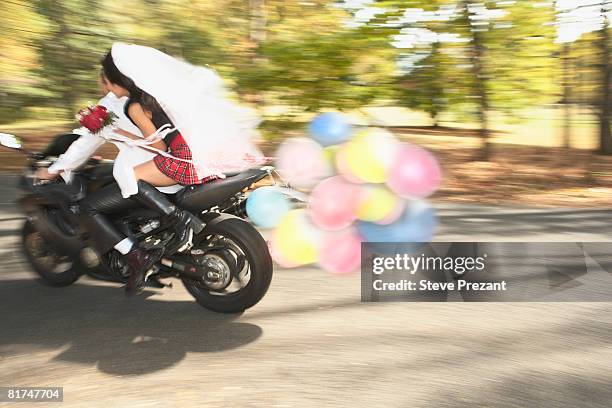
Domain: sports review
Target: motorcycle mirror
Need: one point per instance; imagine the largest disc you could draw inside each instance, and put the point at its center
(10, 141)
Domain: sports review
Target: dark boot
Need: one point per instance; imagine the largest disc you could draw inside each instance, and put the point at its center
(186, 225)
(140, 262)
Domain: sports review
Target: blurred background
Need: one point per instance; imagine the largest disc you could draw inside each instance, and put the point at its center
(513, 97)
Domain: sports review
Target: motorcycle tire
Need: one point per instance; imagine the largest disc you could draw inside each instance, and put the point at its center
(255, 249)
(48, 275)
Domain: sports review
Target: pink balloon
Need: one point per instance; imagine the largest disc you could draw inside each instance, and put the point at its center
(301, 161)
(340, 251)
(414, 172)
(333, 203)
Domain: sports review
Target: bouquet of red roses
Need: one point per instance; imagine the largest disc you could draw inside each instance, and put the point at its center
(95, 118)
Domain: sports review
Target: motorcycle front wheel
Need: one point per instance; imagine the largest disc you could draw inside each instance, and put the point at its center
(240, 264)
(54, 268)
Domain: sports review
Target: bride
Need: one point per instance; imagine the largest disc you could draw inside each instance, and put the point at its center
(212, 136)
(146, 113)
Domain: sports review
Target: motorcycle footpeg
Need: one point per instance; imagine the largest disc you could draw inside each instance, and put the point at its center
(152, 279)
(155, 282)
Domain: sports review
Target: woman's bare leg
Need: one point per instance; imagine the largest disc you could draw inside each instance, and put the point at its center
(150, 173)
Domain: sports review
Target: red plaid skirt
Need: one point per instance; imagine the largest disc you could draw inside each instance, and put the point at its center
(179, 171)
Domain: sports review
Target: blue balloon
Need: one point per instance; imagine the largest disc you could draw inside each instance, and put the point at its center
(330, 128)
(416, 224)
(266, 206)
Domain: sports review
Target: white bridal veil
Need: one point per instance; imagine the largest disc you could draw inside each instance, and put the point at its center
(219, 132)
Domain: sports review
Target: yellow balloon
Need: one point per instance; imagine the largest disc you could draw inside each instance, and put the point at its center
(296, 238)
(343, 167)
(369, 154)
(376, 204)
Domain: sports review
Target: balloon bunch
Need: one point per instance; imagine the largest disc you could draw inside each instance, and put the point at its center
(364, 186)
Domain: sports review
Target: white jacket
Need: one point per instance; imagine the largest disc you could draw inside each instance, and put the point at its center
(128, 157)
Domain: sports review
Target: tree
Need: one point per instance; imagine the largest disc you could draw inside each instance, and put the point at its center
(310, 60)
(509, 48)
(584, 31)
(432, 84)
(70, 52)
(19, 86)
(484, 55)
(477, 52)
(605, 108)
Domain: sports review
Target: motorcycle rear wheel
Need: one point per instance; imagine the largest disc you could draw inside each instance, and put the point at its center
(54, 268)
(256, 266)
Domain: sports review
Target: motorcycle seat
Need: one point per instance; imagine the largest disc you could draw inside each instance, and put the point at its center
(197, 198)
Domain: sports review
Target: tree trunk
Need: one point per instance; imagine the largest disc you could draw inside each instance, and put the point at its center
(481, 92)
(258, 21)
(62, 55)
(257, 34)
(605, 138)
(435, 119)
(480, 77)
(435, 92)
(567, 115)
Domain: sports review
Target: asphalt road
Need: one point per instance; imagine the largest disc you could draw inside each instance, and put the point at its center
(310, 342)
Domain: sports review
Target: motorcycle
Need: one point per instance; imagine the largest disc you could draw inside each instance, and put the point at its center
(228, 268)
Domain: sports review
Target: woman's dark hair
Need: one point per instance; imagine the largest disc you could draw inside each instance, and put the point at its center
(114, 76)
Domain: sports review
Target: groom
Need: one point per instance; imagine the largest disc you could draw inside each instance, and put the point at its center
(87, 144)
(128, 157)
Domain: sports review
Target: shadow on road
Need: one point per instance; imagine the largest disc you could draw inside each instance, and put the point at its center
(94, 324)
